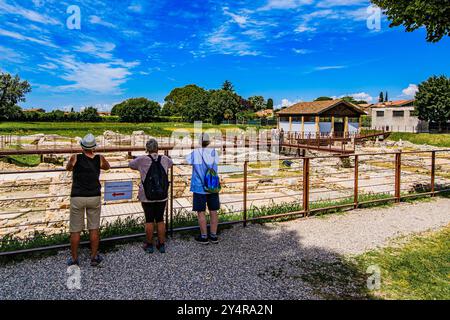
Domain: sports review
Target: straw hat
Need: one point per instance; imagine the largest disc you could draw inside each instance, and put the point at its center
(88, 142)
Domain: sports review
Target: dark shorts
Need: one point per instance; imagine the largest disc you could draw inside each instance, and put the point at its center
(154, 211)
(201, 200)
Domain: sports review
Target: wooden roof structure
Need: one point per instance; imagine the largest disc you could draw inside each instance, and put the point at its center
(336, 107)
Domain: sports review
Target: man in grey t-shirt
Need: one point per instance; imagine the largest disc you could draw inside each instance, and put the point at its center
(153, 209)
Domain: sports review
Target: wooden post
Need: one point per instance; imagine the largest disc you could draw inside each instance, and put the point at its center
(306, 186)
(345, 127)
(317, 126)
(303, 126)
(290, 124)
(332, 126)
(245, 192)
(356, 183)
(433, 172)
(398, 169)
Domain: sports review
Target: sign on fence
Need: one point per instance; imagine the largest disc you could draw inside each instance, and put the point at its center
(118, 190)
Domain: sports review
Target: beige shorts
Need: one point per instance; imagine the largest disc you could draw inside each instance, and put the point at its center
(79, 206)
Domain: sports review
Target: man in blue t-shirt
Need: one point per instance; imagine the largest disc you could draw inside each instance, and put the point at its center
(201, 159)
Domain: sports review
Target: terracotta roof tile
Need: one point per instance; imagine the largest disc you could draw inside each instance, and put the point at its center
(315, 107)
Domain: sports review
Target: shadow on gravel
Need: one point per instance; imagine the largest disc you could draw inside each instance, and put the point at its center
(322, 273)
(257, 262)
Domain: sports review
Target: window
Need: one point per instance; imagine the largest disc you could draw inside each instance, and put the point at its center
(398, 114)
(380, 114)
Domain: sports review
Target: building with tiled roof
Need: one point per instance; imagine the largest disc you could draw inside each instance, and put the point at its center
(329, 117)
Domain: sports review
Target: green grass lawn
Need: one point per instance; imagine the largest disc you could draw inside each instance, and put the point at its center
(417, 268)
(437, 140)
(74, 129)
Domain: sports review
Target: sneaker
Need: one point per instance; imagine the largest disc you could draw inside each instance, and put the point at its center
(148, 248)
(213, 239)
(96, 261)
(161, 248)
(71, 262)
(201, 240)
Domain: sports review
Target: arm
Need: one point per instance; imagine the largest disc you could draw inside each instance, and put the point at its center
(134, 164)
(71, 164)
(104, 164)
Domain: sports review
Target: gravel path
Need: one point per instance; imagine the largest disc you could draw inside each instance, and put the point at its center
(273, 261)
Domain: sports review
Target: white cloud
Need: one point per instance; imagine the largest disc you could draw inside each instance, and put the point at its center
(221, 41)
(31, 15)
(18, 36)
(10, 55)
(137, 8)
(411, 91)
(287, 103)
(302, 51)
(304, 28)
(339, 3)
(285, 4)
(99, 21)
(361, 96)
(324, 68)
(105, 78)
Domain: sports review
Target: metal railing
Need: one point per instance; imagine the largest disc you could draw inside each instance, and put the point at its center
(302, 186)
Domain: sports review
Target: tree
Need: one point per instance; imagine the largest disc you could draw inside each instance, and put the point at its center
(179, 98)
(349, 99)
(12, 91)
(434, 15)
(138, 110)
(196, 108)
(89, 114)
(381, 98)
(323, 99)
(386, 97)
(257, 102)
(270, 103)
(228, 86)
(433, 100)
(223, 104)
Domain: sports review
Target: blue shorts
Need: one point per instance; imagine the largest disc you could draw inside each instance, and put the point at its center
(201, 200)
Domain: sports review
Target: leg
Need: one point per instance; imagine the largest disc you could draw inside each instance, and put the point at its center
(94, 237)
(161, 226)
(202, 222)
(199, 206)
(214, 206)
(93, 212)
(76, 224)
(149, 232)
(214, 222)
(74, 243)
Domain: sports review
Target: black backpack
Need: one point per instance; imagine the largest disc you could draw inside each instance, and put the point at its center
(156, 183)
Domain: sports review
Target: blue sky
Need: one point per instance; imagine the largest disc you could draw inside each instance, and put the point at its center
(289, 50)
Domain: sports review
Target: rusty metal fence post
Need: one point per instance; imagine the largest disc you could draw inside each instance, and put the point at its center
(245, 192)
(171, 201)
(398, 169)
(356, 182)
(433, 172)
(306, 186)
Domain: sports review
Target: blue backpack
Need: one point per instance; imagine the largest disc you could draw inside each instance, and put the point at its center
(211, 180)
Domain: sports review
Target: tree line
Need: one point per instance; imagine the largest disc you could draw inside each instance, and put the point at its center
(193, 103)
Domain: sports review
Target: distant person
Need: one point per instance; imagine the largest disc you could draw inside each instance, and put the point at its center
(85, 198)
(205, 186)
(153, 192)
